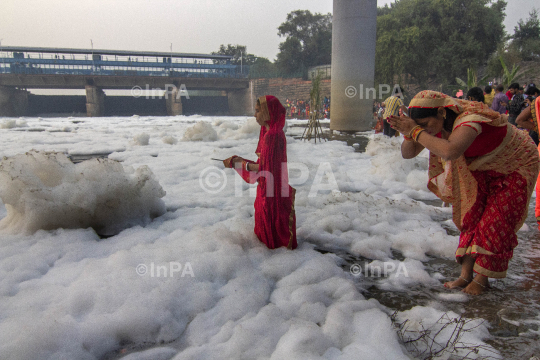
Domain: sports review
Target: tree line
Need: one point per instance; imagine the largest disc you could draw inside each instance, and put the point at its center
(429, 40)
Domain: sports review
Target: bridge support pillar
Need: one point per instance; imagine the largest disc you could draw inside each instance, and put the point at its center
(354, 31)
(13, 102)
(241, 102)
(95, 101)
(173, 101)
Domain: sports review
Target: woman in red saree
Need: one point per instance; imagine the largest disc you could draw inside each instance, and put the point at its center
(481, 164)
(275, 219)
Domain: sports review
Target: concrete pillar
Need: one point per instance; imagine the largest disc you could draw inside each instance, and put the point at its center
(173, 102)
(13, 102)
(95, 101)
(354, 32)
(241, 102)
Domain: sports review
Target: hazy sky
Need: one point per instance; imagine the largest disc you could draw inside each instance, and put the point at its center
(196, 26)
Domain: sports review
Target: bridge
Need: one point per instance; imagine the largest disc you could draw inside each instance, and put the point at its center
(25, 68)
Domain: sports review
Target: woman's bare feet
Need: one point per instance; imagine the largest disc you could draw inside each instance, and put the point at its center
(467, 264)
(479, 284)
(461, 282)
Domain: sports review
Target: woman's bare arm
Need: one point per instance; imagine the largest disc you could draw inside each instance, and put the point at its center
(411, 149)
(522, 120)
(451, 149)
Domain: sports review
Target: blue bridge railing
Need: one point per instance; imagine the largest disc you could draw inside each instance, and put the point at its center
(34, 63)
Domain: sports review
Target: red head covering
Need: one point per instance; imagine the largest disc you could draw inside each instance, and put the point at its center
(273, 143)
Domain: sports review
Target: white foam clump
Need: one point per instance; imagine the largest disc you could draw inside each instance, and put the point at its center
(141, 139)
(171, 140)
(201, 131)
(388, 163)
(248, 130)
(46, 191)
(12, 123)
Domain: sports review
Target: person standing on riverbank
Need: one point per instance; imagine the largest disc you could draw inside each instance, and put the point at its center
(500, 101)
(528, 119)
(391, 108)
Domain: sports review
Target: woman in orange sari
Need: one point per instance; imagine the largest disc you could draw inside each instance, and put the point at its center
(275, 220)
(528, 119)
(481, 164)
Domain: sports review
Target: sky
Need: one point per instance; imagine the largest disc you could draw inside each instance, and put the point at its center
(190, 26)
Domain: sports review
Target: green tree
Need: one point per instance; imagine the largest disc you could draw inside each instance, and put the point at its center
(472, 80)
(436, 39)
(510, 55)
(308, 41)
(262, 67)
(508, 75)
(239, 54)
(526, 37)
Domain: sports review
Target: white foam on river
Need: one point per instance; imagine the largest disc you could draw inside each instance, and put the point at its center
(67, 294)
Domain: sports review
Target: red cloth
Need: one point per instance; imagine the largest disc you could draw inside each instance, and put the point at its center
(489, 228)
(509, 95)
(275, 220)
(490, 138)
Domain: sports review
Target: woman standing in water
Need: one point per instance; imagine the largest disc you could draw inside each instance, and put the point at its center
(481, 164)
(275, 220)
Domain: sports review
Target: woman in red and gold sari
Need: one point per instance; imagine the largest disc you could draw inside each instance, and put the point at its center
(485, 167)
(528, 119)
(275, 220)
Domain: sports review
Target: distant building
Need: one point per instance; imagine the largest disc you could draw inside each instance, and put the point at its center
(324, 70)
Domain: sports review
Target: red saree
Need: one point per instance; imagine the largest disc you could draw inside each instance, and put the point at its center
(489, 187)
(275, 219)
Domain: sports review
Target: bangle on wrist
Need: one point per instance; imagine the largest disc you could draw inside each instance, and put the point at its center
(415, 132)
(407, 138)
(247, 166)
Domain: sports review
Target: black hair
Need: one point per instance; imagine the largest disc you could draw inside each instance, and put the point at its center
(398, 90)
(514, 86)
(476, 94)
(419, 113)
(531, 90)
(499, 88)
(488, 89)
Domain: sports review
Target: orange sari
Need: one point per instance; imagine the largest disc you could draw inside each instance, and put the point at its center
(490, 193)
(535, 112)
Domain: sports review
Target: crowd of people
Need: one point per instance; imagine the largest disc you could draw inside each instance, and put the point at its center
(512, 103)
(301, 109)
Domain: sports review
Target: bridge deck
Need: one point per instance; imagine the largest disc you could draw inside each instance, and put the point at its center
(50, 68)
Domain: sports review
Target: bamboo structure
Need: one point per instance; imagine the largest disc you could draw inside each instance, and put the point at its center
(314, 129)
